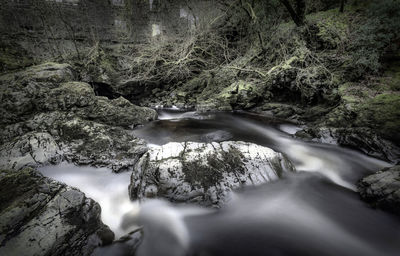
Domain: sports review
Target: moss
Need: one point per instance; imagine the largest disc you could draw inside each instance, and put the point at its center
(392, 77)
(14, 184)
(333, 27)
(201, 175)
(382, 113)
(211, 174)
(73, 131)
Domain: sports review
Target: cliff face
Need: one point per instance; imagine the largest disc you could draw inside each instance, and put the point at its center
(40, 30)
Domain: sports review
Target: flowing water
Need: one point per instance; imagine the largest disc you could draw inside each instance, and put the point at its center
(315, 211)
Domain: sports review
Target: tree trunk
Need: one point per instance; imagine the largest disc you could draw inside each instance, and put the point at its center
(342, 2)
(298, 16)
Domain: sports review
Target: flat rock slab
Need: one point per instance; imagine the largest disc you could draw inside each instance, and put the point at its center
(204, 173)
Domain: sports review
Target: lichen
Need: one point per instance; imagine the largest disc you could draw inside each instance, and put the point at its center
(209, 174)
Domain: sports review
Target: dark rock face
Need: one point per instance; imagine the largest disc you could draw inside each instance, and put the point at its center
(369, 142)
(364, 139)
(47, 117)
(204, 173)
(39, 216)
(382, 189)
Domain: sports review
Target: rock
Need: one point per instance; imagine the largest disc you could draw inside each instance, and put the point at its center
(86, 142)
(67, 96)
(49, 72)
(381, 113)
(118, 112)
(382, 189)
(50, 87)
(239, 95)
(48, 117)
(125, 246)
(216, 136)
(20, 91)
(280, 110)
(39, 216)
(204, 173)
(28, 150)
(363, 139)
(63, 136)
(213, 105)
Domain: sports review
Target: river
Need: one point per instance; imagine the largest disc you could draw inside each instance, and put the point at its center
(314, 211)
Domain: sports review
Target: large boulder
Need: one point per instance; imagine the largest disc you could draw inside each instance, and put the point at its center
(204, 173)
(382, 189)
(39, 216)
(67, 96)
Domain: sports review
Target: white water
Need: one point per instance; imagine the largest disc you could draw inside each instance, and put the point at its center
(109, 189)
(314, 212)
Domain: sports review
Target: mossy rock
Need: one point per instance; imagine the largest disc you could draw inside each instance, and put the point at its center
(69, 95)
(382, 113)
(204, 173)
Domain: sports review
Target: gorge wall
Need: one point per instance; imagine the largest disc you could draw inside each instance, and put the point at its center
(41, 29)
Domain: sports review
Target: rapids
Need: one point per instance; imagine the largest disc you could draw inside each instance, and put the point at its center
(315, 211)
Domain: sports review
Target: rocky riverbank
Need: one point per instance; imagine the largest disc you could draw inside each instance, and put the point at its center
(337, 75)
(39, 216)
(382, 189)
(48, 117)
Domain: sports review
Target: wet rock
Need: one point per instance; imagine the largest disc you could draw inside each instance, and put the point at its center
(216, 136)
(50, 87)
(363, 139)
(204, 173)
(382, 189)
(280, 110)
(39, 216)
(125, 246)
(213, 105)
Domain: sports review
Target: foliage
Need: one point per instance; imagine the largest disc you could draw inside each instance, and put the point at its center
(378, 34)
(332, 28)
